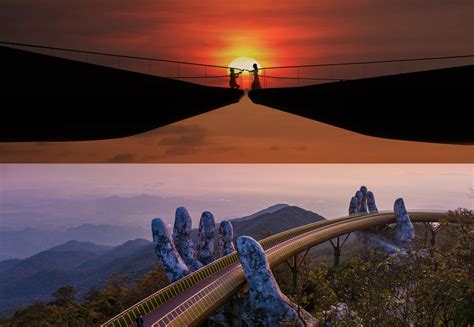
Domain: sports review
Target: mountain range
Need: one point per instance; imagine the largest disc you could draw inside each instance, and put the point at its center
(27, 242)
(86, 265)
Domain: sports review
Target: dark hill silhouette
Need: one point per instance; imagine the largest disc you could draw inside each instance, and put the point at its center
(429, 106)
(26, 73)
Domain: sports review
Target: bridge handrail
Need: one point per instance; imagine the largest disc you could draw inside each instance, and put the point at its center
(195, 277)
(192, 312)
(349, 63)
(115, 55)
(126, 317)
(220, 66)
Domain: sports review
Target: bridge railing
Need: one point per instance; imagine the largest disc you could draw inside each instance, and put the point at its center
(150, 303)
(271, 77)
(198, 73)
(145, 306)
(302, 75)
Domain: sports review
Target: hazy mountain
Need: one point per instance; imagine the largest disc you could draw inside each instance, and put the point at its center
(23, 209)
(7, 264)
(272, 222)
(81, 264)
(270, 209)
(27, 242)
(17, 213)
(77, 246)
(86, 265)
(5, 257)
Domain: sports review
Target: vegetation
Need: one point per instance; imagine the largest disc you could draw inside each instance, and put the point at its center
(97, 307)
(432, 286)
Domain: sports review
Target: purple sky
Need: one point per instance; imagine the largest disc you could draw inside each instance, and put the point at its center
(237, 190)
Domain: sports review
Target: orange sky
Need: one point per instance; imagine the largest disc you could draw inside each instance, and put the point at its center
(216, 31)
(241, 133)
(273, 32)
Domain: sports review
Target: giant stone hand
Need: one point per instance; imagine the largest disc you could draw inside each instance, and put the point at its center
(172, 263)
(393, 239)
(182, 239)
(268, 305)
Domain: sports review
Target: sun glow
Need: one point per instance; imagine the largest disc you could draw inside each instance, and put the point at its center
(244, 63)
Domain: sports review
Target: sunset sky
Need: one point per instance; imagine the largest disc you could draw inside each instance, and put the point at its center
(216, 32)
(240, 133)
(272, 31)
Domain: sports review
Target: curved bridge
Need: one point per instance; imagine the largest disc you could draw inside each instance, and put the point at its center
(189, 301)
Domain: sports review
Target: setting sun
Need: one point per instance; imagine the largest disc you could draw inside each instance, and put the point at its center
(244, 63)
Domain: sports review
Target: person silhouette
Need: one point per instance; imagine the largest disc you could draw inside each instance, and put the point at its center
(256, 81)
(233, 79)
(139, 320)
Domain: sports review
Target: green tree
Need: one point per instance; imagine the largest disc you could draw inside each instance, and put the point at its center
(65, 295)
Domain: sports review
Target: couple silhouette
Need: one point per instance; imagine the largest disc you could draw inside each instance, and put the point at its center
(233, 78)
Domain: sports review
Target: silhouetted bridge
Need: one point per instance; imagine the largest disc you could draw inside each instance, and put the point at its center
(273, 76)
(422, 99)
(189, 301)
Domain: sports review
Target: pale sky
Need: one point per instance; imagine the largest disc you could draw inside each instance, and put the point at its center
(247, 188)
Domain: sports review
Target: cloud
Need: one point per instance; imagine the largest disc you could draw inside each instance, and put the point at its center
(222, 149)
(302, 148)
(122, 158)
(201, 29)
(183, 135)
(173, 140)
(6, 150)
(180, 151)
(180, 139)
(274, 148)
(153, 158)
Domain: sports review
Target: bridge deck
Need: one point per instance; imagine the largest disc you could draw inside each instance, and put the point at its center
(84, 118)
(192, 307)
(428, 106)
(165, 313)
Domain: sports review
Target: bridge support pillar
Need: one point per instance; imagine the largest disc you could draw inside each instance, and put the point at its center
(337, 257)
(433, 229)
(337, 246)
(294, 274)
(294, 270)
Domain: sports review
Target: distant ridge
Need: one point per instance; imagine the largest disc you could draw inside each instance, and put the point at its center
(80, 246)
(270, 209)
(81, 264)
(27, 242)
(268, 223)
